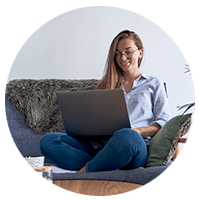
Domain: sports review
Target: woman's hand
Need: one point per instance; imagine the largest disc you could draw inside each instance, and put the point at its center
(148, 130)
(137, 130)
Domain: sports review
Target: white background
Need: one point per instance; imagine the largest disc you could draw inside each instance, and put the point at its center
(75, 45)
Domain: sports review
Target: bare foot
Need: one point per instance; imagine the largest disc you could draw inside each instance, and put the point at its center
(82, 170)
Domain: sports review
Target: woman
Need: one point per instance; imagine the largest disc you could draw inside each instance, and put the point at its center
(147, 108)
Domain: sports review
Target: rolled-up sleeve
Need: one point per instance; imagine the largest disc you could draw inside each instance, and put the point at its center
(160, 105)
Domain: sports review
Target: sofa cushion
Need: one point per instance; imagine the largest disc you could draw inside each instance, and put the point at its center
(163, 145)
(37, 100)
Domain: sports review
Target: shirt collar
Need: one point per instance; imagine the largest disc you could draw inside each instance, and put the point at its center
(143, 75)
(136, 81)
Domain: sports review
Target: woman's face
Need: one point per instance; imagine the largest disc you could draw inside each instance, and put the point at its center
(130, 61)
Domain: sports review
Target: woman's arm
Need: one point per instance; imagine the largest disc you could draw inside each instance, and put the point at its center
(147, 131)
(160, 110)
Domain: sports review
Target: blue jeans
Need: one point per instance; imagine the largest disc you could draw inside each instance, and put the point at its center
(126, 149)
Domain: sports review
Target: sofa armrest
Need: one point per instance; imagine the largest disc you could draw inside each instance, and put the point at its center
(182, 140)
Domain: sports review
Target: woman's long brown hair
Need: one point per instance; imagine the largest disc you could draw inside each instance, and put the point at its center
(113, 76)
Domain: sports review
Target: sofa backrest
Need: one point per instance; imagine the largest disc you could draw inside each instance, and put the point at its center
(32, 109)
(26, 140)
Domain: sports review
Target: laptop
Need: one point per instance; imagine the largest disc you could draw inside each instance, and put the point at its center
(93, 112)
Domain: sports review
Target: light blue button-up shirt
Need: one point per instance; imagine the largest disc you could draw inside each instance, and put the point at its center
(147, 103)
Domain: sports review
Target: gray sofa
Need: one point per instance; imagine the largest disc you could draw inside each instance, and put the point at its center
(28, 143)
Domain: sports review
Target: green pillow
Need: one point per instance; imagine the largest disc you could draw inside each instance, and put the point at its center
(163, 145)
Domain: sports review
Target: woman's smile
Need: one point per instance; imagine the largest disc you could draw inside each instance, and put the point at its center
(127, 63)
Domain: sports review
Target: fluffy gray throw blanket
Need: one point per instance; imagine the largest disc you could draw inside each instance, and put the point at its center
(37, 100)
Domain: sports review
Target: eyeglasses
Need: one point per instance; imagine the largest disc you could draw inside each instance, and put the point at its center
(127, 54)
